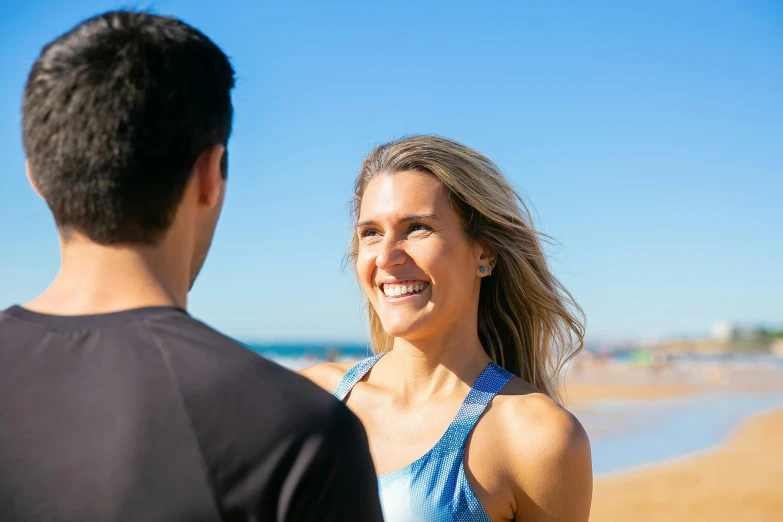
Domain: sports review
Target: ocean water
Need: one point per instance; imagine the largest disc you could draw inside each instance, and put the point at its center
(302, 355)
(628, 434)
(624, 434)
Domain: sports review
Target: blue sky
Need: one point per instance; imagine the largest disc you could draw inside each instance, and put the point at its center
(648, 139)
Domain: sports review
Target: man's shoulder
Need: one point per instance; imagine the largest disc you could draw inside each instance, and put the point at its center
(252, 417)
(196, 346)
(212, 368)
(181, 329)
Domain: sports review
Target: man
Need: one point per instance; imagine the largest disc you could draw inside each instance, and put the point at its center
(115, 404)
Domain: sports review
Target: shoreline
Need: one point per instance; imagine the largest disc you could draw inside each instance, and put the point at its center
(684, 459)
(741, 478)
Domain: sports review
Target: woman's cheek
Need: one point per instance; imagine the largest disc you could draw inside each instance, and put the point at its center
(364, 269)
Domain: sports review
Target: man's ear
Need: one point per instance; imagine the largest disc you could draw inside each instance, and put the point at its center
(31, 179)
(211, 181)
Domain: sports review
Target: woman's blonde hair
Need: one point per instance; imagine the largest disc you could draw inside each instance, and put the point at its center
(528, 323)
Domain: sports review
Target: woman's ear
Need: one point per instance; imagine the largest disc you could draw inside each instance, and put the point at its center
(486, 255)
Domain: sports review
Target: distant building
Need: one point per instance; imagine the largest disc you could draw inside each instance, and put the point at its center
(750, 333)
(724, 331)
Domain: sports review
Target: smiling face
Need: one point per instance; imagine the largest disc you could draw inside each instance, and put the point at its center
(417, 266)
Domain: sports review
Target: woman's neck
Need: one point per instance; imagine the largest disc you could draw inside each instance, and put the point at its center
(435, 366)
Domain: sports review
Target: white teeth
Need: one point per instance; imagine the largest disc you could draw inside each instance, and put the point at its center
(395, 290)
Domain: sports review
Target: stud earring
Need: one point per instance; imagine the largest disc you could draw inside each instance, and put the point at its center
(482, 269)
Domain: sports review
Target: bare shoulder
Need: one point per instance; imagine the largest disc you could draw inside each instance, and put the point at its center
(536, 429)
(547, 426)
(327, 375)
(544, 453)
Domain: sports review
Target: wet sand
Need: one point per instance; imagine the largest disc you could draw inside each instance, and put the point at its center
(741, 480)
(578, 393)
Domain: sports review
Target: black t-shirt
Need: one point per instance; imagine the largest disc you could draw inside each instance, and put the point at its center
(150, 415)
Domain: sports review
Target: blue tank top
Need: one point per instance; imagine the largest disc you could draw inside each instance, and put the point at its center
(434, 487)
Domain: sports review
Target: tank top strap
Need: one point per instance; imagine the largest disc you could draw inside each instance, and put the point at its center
(488, 384)
(354, 375)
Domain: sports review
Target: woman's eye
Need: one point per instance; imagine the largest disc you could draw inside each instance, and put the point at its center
(419, 227)
(367, 233)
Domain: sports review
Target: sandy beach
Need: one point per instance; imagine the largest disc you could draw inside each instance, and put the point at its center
(579, 393)
(624, 381)
(741, 479)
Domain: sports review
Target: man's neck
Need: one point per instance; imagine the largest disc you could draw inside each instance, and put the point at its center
(96, 279)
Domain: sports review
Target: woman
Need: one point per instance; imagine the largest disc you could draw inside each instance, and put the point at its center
(471, 329)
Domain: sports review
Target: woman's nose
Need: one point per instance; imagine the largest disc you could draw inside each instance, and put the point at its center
(390, 253)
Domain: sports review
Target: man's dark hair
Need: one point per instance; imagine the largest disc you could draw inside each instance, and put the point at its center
(116, 112)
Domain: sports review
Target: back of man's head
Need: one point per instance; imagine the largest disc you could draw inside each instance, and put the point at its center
(116, 111)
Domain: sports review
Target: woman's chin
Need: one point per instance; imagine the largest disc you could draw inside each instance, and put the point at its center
(407, 330)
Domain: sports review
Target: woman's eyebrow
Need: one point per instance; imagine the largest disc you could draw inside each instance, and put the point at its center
(416, 217)
(406, 219)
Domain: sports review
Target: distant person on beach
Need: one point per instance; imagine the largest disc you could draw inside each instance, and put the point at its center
(470, 328)
(115, 404)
